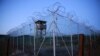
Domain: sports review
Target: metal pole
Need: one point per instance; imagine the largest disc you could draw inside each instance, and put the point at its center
(72, 45)
(78, 29)
(54, 50)
(34, 37)
(54, 26)
(30, 34)
(71, 42)
(34, 45)
(23, 41)
(13, 43)
(90, 44)
(17, 42)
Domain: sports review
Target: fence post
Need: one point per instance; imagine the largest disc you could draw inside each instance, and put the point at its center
(81, 45)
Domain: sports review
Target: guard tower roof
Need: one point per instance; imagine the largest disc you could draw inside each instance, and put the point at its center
(40, 22)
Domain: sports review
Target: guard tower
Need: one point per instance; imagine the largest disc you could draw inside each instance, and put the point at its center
(40, 28)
